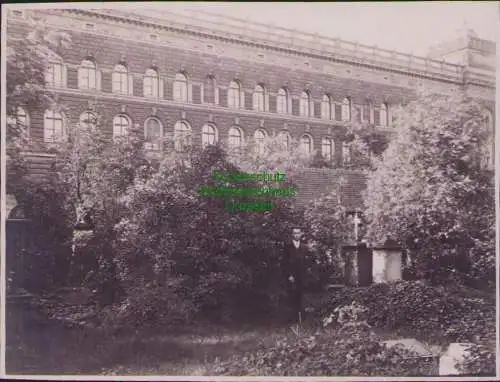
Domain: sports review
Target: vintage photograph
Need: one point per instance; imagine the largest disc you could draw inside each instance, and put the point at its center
(249, 189)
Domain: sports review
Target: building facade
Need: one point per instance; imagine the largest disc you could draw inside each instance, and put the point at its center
(211, 78)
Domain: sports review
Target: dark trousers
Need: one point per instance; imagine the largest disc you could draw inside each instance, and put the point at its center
(295, 295)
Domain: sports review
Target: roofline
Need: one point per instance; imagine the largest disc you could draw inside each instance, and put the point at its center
(287, 40)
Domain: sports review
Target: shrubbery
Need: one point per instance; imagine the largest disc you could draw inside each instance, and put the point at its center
(227, 264)
(458, 313)
(480, 361)
(347, 346)
(350, 349)
(432, 191)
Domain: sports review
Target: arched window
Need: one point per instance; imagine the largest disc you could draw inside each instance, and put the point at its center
(53, 129)
(151, 83)
(383, 115)
(327, 148)
(121, 125)
(153, 134)
(55, 76)
(258, 98)
(120, 79)
(180, 88)
(235, 138)
(210, 90)
(282, 101)
(234, 95)
(208, 135)
(306, 144)
(326, 107)
(260, 139)
(285, 140)
(87, 75)
(182, 135)
(346, 153)
(346, 109)
(304, 104)
(88, 120)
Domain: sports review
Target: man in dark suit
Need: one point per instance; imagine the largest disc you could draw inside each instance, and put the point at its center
(294, 264)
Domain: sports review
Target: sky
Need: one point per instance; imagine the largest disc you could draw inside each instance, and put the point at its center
(408, 27)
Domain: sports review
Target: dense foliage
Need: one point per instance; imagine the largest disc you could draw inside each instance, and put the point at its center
(350, 348)
(45, 263)
(479, 361)
(348, 345)
(431, 192)
(26, 60)
(456, 313)
(161, 253)
(179, 242)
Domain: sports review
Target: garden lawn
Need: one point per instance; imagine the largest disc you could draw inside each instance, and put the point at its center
(37, 344)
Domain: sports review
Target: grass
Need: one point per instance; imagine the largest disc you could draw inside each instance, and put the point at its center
(45, 347)
(38, 345)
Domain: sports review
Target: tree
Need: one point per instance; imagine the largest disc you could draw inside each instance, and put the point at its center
(365, 143)
(272, 154)
(94, 171)
(27, 59)
(187, 253)
(431, 192)
(319, 161)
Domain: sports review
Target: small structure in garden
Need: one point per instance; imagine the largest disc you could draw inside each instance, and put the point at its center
(357, 256)
(358, 264)
(387, 262)
(453, 358)
(367, 264)
(415, 353)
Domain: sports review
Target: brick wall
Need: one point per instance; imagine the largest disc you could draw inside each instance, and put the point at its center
(139, 56)
(314, 183)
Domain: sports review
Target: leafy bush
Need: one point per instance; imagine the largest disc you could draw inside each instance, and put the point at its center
(148, 305)
(457, 313)
(480, 361)
(432, 191)
(348, 346)
(229, 262)
(351, 349)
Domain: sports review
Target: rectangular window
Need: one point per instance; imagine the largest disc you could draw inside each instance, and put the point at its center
(54, 75)
(376, 114)
(53, 131)
(358, 111)
(365, 113)
(338, 112)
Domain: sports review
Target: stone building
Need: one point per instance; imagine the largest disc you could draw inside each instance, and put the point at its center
(231, 80)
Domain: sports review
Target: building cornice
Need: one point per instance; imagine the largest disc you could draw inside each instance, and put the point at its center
(295, 43)
(287, 40)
